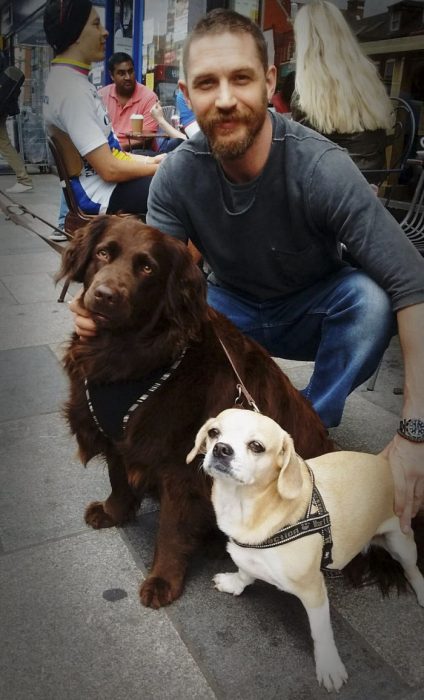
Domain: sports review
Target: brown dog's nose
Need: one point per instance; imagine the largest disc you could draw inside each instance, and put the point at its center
(222, 450)
(105, 294)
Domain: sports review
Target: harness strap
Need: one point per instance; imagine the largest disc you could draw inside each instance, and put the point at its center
(309, 524)
(108, 403)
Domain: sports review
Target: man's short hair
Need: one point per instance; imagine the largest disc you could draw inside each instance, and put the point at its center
(118, 57)
(219, 21)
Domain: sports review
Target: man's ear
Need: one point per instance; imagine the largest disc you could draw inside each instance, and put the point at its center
(200, 441)
(184, 89)
(290, 480)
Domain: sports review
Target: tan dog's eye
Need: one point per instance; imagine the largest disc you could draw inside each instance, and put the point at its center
(256, 446)
(103, 255)
(213, 432)
(146, 269)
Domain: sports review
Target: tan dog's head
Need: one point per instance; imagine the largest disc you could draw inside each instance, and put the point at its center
(249, 448)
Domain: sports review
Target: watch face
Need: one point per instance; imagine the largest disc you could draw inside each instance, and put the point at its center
(413, 428)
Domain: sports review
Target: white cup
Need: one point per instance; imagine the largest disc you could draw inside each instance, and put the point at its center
(137, 124)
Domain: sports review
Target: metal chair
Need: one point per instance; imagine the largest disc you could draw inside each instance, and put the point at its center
(399, 144)
(413, 222)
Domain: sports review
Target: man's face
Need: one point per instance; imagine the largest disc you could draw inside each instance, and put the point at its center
(228, 91)
(92, 40)
(124, 78)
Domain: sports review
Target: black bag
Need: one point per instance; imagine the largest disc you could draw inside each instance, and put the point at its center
(11, 81)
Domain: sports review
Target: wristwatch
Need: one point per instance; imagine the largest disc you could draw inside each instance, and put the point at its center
(412, 429)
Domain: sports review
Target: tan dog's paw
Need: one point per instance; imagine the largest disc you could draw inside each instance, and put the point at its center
(230, 583)
(330, 670)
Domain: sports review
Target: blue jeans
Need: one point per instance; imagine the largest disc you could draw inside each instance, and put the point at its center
(63, 210)
(344, 323)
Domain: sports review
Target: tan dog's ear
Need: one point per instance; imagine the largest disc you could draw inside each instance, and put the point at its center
(200, 441)
(290, 480)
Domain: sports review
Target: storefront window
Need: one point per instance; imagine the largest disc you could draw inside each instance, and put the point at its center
(248, 8)
(164, 31)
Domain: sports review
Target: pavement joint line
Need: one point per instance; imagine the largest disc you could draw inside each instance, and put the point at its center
(42, 543)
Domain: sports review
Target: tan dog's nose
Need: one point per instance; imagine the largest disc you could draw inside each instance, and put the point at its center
(222, 450)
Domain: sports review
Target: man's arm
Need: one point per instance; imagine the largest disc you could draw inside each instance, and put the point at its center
(407, 458)
(113, 169)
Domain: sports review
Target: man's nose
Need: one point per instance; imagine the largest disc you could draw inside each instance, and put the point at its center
(225, 98)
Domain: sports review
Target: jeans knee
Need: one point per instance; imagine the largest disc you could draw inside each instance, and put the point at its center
(370, 306)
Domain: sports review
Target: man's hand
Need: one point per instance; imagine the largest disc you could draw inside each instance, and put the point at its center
(84, 324)
(407, 463)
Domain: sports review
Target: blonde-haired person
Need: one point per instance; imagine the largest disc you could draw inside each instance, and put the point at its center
(338, 91)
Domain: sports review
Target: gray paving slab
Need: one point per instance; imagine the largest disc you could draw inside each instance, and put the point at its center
(43, 486)
(18, 240)
(5, 295)
(33, 382)
(29, 288)
(386, 624)
(72, 628)
(29, 263)
(30, 325)
(258, 645)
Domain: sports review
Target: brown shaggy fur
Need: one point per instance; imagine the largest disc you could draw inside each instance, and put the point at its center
(148, 299)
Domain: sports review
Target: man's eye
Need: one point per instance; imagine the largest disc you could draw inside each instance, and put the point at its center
(256, 446)
(103, 254)
(213, 432)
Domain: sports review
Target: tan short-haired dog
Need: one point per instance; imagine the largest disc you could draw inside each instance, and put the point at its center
(260, 486)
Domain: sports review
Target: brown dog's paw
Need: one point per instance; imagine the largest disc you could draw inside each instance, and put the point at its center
(156, 592)
(96, 516)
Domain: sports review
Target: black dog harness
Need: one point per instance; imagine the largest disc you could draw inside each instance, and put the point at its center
(112, 405)
(319, 521)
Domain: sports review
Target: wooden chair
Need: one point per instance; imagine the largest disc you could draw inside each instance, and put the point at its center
(69, 164)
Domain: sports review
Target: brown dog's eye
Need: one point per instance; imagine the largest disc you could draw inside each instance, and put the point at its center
(103, 255)
(256, 446)
(146, 270)
(213, 432)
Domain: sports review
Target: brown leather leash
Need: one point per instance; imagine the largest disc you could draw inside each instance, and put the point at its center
(240, 386)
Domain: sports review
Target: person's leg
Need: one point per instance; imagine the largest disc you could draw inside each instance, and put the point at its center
(130, 197)
(343, 323)
(63, 210)
(14, 159)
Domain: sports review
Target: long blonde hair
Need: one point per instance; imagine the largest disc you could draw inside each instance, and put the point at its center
(337, 87)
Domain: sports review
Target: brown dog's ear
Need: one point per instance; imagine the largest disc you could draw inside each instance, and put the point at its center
(200, 441)
(77, 254)
(185, 298)
(290, 480)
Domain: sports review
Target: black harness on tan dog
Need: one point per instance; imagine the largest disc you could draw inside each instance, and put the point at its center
(112, 405)
(318, 521)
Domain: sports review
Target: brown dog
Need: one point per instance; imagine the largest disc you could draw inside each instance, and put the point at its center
(158, 362)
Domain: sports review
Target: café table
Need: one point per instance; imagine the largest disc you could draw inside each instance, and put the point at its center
(144, 139)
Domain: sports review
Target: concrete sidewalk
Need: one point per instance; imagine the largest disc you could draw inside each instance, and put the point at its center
(71, 623)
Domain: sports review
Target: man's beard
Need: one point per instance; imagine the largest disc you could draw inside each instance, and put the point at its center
(126, 91)
(224, 148)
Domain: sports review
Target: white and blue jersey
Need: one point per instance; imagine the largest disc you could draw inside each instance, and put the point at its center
(73, 105)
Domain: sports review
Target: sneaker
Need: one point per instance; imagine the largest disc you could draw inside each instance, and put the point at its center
(19, 188)
(58, 237)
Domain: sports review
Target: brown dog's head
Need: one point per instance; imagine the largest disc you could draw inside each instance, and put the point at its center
(250, 449)
(134, 276)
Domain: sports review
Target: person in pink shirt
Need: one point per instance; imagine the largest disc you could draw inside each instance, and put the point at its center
(124, 97)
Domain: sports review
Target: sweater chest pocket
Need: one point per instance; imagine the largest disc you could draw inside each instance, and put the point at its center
(302, 267)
